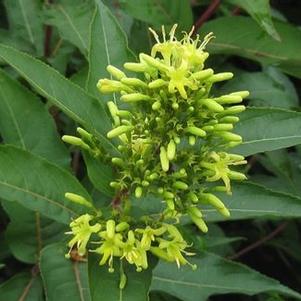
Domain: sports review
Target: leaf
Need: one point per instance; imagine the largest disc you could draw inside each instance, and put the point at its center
(28, 232)
(250, 200)
(72, 19)
(275, 129)
(22, 287)
(107, 39)
(105, 285)
(63, 279)
(214, 276)
(25, 22)
(160, 12)
(17, 106)
(69, 97)
(38, 185)
(99, 174)
(270, 88)
(242, 36)
(260, 11)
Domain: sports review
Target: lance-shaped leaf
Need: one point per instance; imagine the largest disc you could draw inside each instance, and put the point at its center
(38, 185)
(23, 286)
(69, 97)
(108, 46)
(242, 36)
(266, 129)
(63, 278)
(25, 122)
(28, 232)
(214, 276)
(251, 200)
(72, 19)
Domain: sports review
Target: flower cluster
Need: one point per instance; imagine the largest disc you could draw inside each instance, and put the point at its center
(173, 137)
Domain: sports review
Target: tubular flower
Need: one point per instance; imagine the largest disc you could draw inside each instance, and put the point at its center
(173, 135)
(81, 231)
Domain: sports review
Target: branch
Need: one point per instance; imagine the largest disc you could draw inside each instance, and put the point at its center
(211, 9)
(260, 242)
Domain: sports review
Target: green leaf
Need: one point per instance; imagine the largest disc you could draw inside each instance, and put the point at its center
(28, 232)
(242, 36)
(72, 19)
(214, 276)
(38, 185)
(18, 106)
(63, 279)
(21, 287)
(250, 200)
(69, 97)
(99, 174)
(160, 12)
(105, 285)
(25, 22)
(107, 39)
(275, 129)
(260, 11)
(270, 88)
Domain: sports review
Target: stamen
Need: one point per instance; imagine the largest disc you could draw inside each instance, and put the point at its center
(154, 34)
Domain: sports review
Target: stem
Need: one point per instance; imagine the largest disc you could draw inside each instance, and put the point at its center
(211, 9)
(260, 242)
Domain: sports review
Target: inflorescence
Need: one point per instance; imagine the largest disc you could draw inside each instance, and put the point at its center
(173, 137)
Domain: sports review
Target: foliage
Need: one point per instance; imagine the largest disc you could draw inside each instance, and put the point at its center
(52, 54)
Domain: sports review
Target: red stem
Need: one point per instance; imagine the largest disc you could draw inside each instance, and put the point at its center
(211, 9)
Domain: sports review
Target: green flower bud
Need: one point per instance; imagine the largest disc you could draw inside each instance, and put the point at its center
(119, 130)
(122, 227)
(211, 104)
(175, 106)
(145, 183)
(163, 159)
(75, 141)
(168, 195)
(153, 176)
(153, 62)
(229, 99)
(84, 134)
(192, 197)
(134, 82)
(156, 105)
(195, 211)
(191, 140)
(170, 204)
(78, 199)
(124, 114)
(160, 254)
(110, 226)
(117, 161)
(138, 192)
(199, 222)
(201, 75)
(171, 150)
(118, 74)
(158, 83)
(180, 185)
(136, 67)
(233, 110)
(229, 119)
(230, 136)
(134, 97)
(220, 77)
(242, 94)
(196, 131)
(223, 127)
(234, 175)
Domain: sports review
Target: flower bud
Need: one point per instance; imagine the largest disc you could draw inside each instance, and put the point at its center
(199, 222)
(84, 134)
(170, 204)
(110, 226)
(158, 83)
(171, 150)
(220, 77)
(168, 195)
(229, 99)
(196, 131)
(119, 130)
(233, 110)
(230, 136)
(156, 105)
(191, 140)
(242, 94)
(229, 119)
(223, 127)
(211, 104)
(118, 74)
(138, 192)
(117, 161)
(122, 227)
(153, 62)
(201, 75)
(234, 175)
(75, 141)
(136, 67)
(132, 81)
(78, 199)
(134, 97)
(195, 211)
(163, 159)
(192, 197)
(180, 185)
